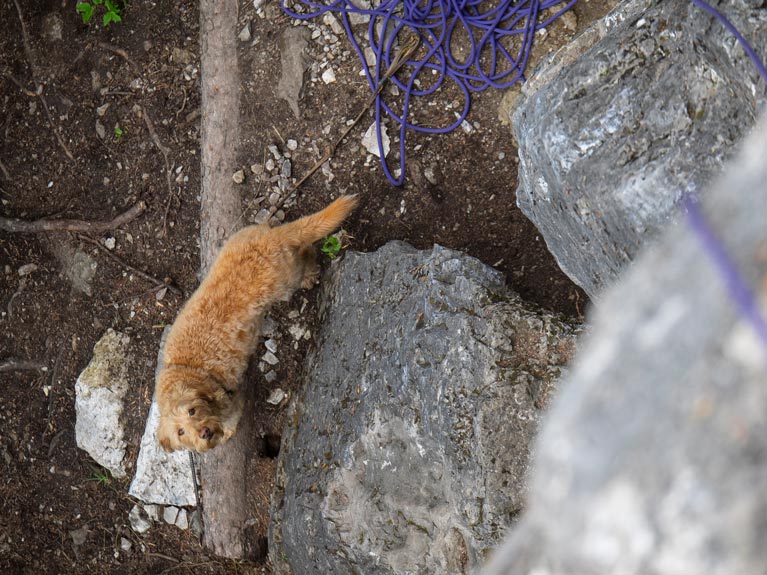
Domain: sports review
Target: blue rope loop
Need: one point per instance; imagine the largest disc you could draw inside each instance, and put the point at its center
(500, 35)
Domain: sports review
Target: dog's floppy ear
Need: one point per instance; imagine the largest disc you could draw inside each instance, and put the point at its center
(221, 396)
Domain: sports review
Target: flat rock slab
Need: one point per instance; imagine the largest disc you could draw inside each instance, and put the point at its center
(637, 112)
(652, 459)
(161, 478)
(408, 449)
(99, 395)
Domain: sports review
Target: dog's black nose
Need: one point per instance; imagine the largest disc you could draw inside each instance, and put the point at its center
(206, 433)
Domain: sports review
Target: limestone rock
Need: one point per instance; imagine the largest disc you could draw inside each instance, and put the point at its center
(370, 141)
(138, 520)
(99, 394)
(292, 44)
(76, 265)
(408, 448)
(652, 459)
(618, 126)
(161, 478)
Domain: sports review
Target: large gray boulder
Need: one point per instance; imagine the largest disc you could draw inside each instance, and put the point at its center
(618, 126)
(653, 459)
(408, 448)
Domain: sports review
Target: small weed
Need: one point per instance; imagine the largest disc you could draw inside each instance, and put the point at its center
(331, 247)
(100, 476)
(88, 9)
(118, 133)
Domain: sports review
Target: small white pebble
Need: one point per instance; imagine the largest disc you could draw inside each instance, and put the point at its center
(276, 396)
(329, 76)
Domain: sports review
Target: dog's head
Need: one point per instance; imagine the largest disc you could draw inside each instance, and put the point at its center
(191, 407)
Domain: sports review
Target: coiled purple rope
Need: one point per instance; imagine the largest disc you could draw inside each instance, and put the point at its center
(490, 28)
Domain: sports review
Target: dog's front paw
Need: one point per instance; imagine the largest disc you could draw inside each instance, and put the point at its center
(311, 275)
(228, 432)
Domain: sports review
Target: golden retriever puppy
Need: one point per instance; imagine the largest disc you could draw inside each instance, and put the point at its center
(208, 347)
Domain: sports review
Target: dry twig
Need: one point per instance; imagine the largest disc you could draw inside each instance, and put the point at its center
(3, 169)
(55, 378)
(13, 364)
(17, 293)
(25, 40)
(38, 85)
(89, 227)
(408, 49)
(168, 168)
(118, 260)
(122, 53)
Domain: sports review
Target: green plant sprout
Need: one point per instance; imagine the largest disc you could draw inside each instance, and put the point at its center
(118, 133)
(112, 14)
(100, 476)
(331, 247)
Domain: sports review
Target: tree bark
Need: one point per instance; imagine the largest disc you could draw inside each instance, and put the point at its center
(224, 501)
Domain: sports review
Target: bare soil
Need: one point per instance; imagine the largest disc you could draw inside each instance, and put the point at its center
(148, 67)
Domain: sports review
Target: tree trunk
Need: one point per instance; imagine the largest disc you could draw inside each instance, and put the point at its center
(224, 502)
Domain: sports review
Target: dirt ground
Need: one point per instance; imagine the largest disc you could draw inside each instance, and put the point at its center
(116, 123)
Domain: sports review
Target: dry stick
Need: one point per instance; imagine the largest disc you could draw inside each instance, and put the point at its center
(3, 169)
(122, 53)
(17, 293)
(26, 91)
(164, 151)
(13, 364)
(38, 84)
(408, 49)
(55, 378)
(88, 227)
(162, 556)
(54, 128)
(155, 138)
(25, 40)
(118, 260)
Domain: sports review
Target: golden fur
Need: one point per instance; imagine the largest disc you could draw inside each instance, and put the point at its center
(207, 350)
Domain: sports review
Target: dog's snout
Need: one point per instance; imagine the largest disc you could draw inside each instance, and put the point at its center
(206, 433)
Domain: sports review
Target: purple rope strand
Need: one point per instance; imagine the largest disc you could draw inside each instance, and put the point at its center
(743, 42)
(734, 282)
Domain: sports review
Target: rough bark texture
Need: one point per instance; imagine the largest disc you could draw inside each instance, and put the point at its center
(223, 469)
(220, 127)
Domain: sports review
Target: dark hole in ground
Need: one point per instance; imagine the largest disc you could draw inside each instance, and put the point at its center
(269, 446)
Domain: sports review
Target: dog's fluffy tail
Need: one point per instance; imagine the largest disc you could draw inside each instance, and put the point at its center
(309, 229)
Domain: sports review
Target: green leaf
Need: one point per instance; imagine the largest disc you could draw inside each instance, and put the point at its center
(97, 1)
(85, 10)
(331, 246)
(112, 7)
